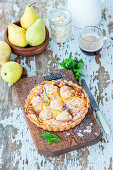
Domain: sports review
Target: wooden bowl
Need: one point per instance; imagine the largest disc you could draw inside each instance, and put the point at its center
(28, 50)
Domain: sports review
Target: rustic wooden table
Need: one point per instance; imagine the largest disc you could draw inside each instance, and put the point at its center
(17, 150)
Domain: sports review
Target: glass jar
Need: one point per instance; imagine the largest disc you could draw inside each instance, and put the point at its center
(60, 23)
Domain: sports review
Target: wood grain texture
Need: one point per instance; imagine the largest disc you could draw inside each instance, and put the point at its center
(68, 143)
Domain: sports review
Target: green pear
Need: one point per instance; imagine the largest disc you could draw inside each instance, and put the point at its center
(35, 35)
(29, 17)
(5, 52)
(11, 72)
(17, 35)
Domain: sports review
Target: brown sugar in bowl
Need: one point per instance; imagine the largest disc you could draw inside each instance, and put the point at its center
(28, 50)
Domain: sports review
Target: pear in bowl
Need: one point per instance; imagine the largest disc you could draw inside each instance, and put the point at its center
(17, 35)
(29, 17)
(35, 35)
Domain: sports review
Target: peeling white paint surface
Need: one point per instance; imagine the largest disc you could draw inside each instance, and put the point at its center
(0, 11)
(16, 9)
(17, 150)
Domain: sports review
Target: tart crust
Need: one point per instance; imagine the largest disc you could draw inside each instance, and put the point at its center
(52, 124)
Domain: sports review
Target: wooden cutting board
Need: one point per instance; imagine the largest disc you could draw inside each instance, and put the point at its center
(85, 134)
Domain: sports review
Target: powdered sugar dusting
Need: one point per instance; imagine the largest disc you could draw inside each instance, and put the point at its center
(80, 134)
(88, 129)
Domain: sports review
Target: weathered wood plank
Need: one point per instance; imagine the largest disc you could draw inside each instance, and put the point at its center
(17, 150)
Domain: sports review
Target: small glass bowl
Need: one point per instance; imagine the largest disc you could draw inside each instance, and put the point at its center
(60, 23)
(91, 40)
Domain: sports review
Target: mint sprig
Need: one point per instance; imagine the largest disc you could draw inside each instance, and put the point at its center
(50, 137)
(46, 101)
(72, 64)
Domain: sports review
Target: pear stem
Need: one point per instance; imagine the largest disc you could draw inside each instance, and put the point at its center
(39, 11)
(35, 7)
(5, 18)
(32, 3)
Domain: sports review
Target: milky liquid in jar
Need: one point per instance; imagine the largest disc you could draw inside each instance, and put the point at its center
(91, 43)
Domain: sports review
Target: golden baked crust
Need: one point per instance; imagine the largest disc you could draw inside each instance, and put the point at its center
(57, 105)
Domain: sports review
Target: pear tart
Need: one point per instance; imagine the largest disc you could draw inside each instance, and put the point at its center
(57, 105)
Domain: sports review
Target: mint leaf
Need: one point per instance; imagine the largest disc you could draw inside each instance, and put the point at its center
(56, 138)
(80, 61)
(74, 65)
(50, 137)
(46, 135)
(70, 56)
(62, 64)
(46, 101)
(50, 141)
(79, 65)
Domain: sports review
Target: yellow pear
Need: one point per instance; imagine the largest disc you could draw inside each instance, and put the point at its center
(11, 72)
(29, 17)
(35, 35)
(5, 52)
(17, 35)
